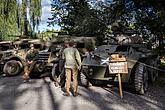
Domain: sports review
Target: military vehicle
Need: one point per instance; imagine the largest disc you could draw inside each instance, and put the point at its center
(6, 50)
(14, 63)
(48, 57)
(142, 63)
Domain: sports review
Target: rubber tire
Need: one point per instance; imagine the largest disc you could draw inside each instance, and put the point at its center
(54, 71)
(39, 67)
(152, 72)
(12, 71)
(60, 76)
(83, 79)
(141, 79)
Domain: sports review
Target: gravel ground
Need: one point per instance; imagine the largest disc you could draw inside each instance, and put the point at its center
(41, 94)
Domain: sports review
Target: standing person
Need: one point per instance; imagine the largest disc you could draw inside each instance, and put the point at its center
(72, 65)
(30, 58)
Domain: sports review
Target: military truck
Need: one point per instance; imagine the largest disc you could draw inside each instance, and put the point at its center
(48, 57)
(142, 63)
(14, 63)
(6, 50)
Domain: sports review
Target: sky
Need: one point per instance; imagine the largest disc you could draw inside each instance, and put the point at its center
(46, 13)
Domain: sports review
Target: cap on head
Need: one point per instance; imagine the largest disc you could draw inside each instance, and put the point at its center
(31, 45)
(71, 43)
(66, 41)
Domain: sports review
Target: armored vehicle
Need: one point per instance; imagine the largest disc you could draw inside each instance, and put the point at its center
(141, 63)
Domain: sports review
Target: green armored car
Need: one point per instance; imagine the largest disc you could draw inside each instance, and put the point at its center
(141, 63)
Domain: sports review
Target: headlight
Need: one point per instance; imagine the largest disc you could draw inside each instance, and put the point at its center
(143, 55)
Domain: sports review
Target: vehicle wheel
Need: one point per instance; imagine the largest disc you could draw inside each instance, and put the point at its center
(54, 71)
(59, 77)
(141, 79)
(39, 68)
(12, 68)
(153, 73)
(83, 79)
(62, 78)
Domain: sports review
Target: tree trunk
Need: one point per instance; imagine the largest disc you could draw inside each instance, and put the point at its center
(25, 20)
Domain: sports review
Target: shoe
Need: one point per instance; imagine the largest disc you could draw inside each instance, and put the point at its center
(25, 81)
(56, 84)
(63, 89)
(66, 94)
(75, 94)
(25, 76)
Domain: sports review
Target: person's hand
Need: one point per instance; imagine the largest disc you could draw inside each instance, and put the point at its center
(79, 68)
(29, 62)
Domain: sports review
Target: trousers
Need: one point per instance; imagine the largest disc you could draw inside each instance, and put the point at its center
(28, 68)
(71, 73)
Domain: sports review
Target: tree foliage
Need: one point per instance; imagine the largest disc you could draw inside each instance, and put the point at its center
(19, 17)
(7, 18)
(76, 17)
(95, 17)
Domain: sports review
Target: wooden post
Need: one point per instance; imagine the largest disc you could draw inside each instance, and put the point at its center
(118, 65)
(120, 86)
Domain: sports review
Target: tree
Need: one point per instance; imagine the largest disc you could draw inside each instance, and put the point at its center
(76, 17)
(150, 17)
(35, 13)
(8, 24)
(91, 17)
(14, 17)
(27, 26)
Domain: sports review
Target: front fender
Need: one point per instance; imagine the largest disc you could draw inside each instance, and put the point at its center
(56, 60)
(21, 62)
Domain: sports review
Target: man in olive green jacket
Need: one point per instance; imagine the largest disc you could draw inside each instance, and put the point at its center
(72, 65)
(30, 58)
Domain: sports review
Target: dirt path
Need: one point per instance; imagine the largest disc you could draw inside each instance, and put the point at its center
(41, 94)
